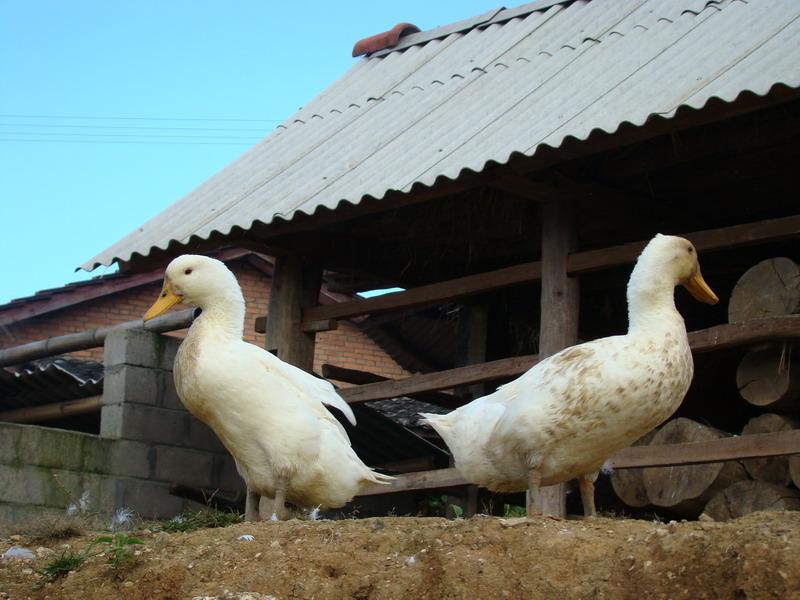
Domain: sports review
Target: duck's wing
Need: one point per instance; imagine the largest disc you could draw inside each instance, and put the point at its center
(312, 390)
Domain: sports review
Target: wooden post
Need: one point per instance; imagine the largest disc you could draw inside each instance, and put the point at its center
(295, 286)
(558, 326)
(472, 333)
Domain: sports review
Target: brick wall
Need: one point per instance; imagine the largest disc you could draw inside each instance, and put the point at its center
(346, 347)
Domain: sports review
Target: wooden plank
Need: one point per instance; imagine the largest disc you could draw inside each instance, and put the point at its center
(260, 325)
(422, 480)
(441, 380)
(732, 335)
(577, 263)
(427, 295)
(92, 338)
(57, 410)
(364, 377)
(729, 448)
(724, 449)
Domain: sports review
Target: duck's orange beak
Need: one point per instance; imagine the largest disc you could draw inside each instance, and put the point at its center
(166, 300)
(699, 289)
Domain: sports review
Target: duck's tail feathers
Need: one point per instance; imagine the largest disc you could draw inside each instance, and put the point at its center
(438, 422)
(380, 478)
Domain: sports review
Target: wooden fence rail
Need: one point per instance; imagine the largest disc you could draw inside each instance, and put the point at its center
(667, 455)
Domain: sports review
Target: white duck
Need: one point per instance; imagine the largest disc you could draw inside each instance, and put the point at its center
(569, 413)
(268, 414)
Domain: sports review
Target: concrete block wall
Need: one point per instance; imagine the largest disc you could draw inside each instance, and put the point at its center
(140, 405)
(148, 442)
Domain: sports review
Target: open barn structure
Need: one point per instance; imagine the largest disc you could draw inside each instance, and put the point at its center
(504, 172)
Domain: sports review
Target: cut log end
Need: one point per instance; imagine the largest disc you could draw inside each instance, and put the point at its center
(745, 497)
(687, 489)
(628, 484)
(773, 469)
(769, 376)
(769, 289)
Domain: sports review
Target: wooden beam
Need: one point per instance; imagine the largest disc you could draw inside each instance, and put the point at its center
(577, 263)
(746, 333)
(57, 410)
(427, 295)
(442, 380)
(364, 377)
(295, 286)
(92, 338)
(723, 449)
(729, 448)
(719, 337)
(558, 322)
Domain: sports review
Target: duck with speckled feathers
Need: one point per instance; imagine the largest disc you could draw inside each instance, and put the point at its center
(569, 413)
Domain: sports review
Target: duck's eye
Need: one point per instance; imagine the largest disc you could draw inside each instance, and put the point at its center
(187, 272)
(690, 250)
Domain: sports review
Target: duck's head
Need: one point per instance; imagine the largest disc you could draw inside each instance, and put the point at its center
(196, 280)
(675, 258)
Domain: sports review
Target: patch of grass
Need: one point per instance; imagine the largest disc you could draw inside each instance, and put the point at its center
(64, 563)
(512, 510)
(119, 551)
(201, 519)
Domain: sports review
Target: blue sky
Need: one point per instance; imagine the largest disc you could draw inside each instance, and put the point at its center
(111, 111)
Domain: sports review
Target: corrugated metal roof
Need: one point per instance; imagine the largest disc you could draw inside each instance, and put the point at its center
(523, 79)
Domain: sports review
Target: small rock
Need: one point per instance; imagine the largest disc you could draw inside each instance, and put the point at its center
(127, 584)
(274, 544)
(377, 524)
(245, 538)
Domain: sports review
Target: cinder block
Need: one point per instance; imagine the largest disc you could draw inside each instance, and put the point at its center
(49, 447)
(169, 395)
(9, 438)
(127, 383)
(145, 423)
(150, 499)
(228, 477)
(135, 347)
(183, 466)
(168, 348)
(116, 457)
(202, 437)
(23, 485)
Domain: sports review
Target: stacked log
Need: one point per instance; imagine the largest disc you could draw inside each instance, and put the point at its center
(773, 469)
(686, 489)
(628, 483)
(768, 375)
(745, 497)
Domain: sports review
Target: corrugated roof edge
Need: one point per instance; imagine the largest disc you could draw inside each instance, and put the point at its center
(496, 15)
(417, 185)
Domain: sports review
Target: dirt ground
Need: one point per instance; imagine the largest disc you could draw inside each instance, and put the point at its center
(757, 556)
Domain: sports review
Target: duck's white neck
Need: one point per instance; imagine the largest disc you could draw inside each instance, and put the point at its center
(651, 298)
(224, 314)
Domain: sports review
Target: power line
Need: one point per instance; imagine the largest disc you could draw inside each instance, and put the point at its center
(154, 143)
(133, 135)
(98, 118)
(137, 127)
